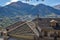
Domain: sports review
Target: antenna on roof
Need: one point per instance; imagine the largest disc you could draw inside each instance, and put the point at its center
(27, 0)
(42, 0)
(36, 0)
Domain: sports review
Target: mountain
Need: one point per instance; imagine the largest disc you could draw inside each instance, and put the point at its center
(44, 10)
(57, 7)
(22, 9)
(16, 8)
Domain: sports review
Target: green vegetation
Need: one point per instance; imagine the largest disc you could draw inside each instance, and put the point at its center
(6, 21)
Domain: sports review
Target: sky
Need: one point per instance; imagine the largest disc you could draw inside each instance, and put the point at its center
(33, 2)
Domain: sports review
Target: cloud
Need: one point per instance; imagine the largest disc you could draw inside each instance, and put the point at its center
(11, 2)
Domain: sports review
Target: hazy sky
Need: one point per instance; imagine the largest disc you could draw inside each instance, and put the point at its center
(33, 2)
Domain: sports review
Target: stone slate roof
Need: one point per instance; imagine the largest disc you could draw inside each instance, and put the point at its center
(25, 30)
(45, 22)
(14, 25)
(21, 30)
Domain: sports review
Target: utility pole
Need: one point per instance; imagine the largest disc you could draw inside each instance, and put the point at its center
(37, 26)
(37, 22)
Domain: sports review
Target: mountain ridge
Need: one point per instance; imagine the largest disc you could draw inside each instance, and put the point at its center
(57, 6)
(19, 8)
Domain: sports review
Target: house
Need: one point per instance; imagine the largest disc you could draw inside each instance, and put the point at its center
(31, 30)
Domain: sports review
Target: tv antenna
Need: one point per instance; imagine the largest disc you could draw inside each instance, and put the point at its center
(36, 0)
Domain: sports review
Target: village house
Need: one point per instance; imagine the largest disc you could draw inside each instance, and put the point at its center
(33, 30)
